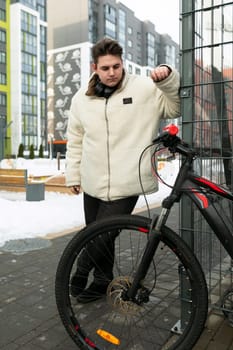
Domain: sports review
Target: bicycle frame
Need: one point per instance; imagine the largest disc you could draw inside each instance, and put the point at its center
(204, 202)
(202, 192)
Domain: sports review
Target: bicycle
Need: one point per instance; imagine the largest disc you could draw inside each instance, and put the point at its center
(158, 297)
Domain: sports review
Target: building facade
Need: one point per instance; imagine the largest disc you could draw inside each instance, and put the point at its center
(74, 29)
(4, 77)
(28, 62)
(91, 20)
(68, 69)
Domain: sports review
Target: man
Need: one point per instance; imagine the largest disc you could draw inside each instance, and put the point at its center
(110, 124)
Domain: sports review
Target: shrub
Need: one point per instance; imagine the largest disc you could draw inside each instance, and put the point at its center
(20, 151)
(41, 151)
(31, 152)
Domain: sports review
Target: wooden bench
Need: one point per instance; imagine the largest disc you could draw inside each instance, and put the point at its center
(17, 180)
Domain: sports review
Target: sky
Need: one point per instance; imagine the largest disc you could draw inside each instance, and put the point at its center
(163, 13)
(57, 213)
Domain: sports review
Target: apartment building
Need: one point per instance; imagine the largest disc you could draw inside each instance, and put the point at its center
(28, 51)
(23, 75)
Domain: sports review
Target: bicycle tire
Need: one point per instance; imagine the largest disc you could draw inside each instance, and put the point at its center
(172, 318)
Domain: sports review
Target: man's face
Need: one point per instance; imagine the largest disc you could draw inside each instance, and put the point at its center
(109, 69)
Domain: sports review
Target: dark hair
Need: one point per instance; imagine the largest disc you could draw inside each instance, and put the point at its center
(104, 47)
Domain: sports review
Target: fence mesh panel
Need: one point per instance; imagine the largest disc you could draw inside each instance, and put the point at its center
(207, 115)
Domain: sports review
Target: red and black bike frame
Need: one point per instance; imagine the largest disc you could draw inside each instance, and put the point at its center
(201, 191)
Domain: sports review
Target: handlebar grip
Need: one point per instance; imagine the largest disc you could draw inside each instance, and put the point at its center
(169, 139)
(170, 131)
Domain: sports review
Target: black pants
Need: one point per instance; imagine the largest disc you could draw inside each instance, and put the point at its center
(96, 209)
(100, 253)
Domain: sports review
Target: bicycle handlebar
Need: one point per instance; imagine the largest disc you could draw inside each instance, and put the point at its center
(174, 143)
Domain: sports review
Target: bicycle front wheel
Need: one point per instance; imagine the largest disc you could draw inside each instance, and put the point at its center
(171, 305)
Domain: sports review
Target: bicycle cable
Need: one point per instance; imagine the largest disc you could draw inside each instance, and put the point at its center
(140, 179)
(153, 163)
(155, 171)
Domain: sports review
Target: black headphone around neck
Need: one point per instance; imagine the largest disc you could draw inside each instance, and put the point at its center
(102, 90)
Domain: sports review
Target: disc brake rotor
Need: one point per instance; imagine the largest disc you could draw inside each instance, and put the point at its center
(115, 296)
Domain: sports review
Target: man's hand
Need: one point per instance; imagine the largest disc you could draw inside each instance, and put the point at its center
(75, 189)
(160, 73)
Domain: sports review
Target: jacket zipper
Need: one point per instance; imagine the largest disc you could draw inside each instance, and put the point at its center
(108, 150)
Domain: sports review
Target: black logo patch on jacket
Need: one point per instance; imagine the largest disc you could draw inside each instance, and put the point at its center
(127, 100)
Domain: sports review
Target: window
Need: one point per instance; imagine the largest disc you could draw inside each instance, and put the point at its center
(122, 30)
(130, 30)
(2, 99)
(3, 10)
(110, 21)
(43, 53)
(2, 78)
(43, 34)
(110, 29)
(29, 64)
(29, 43)
(130, 56)
(29, 3)
(130, 69)
(150, 41)
(130, 43)
(28, 22)
(29, 104)
(42, 12)
(43, 71)
(2, 36)
(41, 2)
(29, 84)
(29, 126)
(2, 15)
(2, 57)
(139, 36)
(170, 54)
(110, 13)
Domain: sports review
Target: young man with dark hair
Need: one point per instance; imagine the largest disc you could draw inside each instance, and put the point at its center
(111, 121)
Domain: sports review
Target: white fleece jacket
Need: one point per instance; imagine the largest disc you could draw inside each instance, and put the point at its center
(107, 136)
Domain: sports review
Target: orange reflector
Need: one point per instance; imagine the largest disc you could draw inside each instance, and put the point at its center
(108, 337)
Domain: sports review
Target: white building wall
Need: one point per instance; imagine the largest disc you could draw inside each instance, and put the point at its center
(16, 69)
(15, 52)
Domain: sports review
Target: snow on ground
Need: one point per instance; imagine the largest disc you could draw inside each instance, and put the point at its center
(37, 166)
(58, 212)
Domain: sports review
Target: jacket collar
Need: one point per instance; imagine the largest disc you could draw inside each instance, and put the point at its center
(94, 79)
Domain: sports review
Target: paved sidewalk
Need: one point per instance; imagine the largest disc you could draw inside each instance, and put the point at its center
(28, 314)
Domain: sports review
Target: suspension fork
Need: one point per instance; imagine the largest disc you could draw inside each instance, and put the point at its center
(154, 237)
